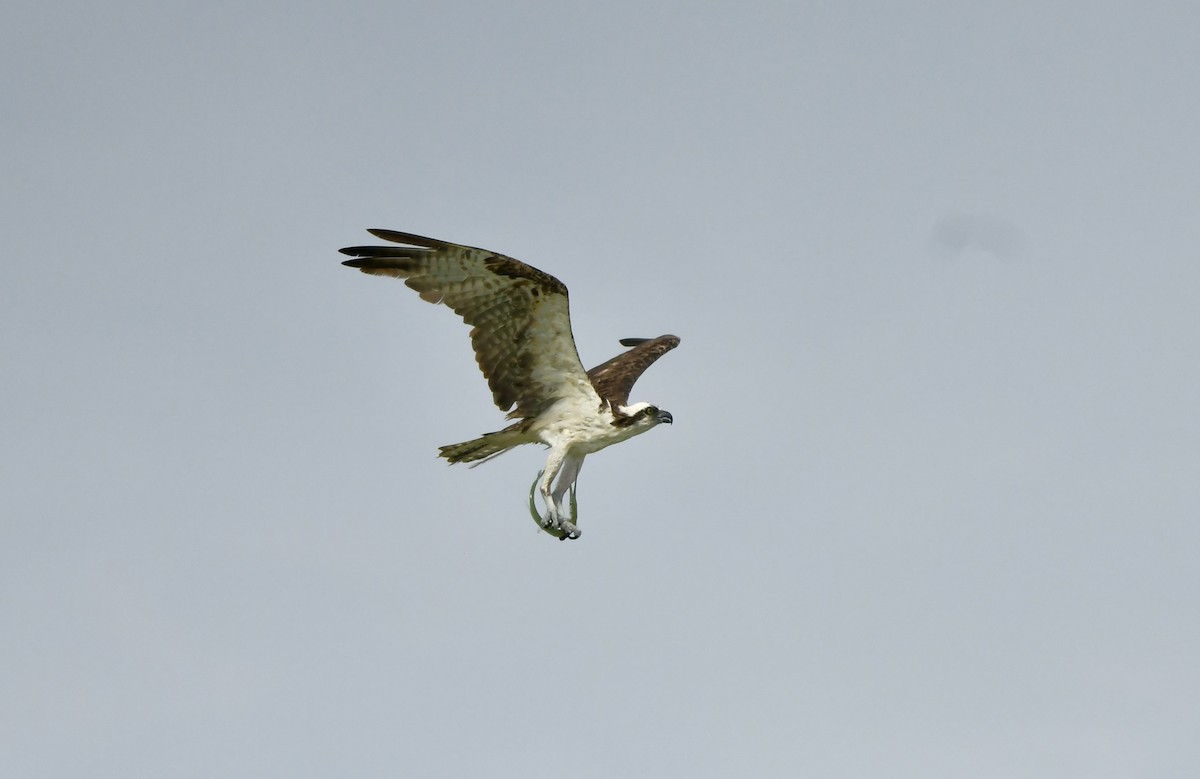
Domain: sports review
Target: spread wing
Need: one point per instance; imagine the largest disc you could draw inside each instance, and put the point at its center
(521, 322)
(614, 379)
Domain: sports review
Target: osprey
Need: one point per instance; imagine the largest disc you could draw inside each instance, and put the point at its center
(521, 331)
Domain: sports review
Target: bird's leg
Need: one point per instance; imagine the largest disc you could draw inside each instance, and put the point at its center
(566, 481)
(563, 469)
(553, 518)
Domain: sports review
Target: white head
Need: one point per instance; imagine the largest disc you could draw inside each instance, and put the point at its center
(644, 414)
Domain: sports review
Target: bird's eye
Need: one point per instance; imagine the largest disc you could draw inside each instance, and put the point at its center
(649, 412)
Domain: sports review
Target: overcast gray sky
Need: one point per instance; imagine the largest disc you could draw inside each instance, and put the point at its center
(928, 507)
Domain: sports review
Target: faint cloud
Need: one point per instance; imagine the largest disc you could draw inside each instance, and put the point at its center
(956, 234)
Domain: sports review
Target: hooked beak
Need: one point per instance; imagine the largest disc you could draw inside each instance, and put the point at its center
(665, 416)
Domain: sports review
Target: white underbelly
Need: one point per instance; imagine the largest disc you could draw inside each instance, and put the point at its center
(581, 427)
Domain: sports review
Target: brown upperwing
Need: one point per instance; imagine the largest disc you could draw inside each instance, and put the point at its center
(614, 379)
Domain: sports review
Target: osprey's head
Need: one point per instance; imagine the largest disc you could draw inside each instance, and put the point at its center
(645, 415)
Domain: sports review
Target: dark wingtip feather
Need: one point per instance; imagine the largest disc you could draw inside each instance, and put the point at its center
(395, 236)
(674, 339)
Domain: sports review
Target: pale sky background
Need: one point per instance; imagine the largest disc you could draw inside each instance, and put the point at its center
(929, 506)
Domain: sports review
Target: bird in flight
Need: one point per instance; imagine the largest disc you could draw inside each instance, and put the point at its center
(521, 331)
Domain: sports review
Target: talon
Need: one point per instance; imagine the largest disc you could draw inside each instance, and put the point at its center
(570, 531)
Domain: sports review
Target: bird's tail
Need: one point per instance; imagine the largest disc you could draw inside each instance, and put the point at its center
(488, 445)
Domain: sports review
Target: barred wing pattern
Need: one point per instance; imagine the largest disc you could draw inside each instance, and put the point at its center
(519, 316)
